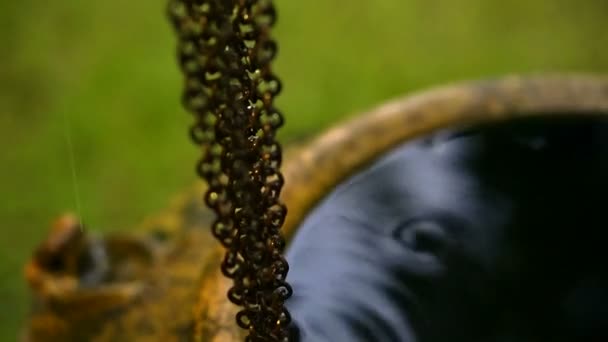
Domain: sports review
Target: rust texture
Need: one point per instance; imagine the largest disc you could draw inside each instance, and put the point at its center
(225, 53)
(163, 282)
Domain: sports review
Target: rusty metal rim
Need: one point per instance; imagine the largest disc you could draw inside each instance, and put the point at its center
(349, 146)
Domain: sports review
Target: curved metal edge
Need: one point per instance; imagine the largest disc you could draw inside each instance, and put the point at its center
(324, 163)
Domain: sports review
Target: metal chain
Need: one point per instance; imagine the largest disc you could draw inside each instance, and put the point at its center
(225, 52)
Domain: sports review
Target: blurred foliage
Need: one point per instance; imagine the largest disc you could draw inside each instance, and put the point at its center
(105, 71)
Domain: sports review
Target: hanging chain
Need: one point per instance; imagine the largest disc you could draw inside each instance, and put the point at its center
(225, 52)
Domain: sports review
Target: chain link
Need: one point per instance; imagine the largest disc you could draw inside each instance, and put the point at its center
(225, 52)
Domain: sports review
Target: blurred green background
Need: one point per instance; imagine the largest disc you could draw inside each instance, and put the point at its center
(107, 69)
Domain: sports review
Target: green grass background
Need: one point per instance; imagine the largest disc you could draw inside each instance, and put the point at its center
(108, 68)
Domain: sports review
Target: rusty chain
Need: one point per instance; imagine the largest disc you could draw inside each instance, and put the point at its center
(225, 52)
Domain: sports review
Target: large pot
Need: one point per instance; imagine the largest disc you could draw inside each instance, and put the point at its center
(163, 282)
